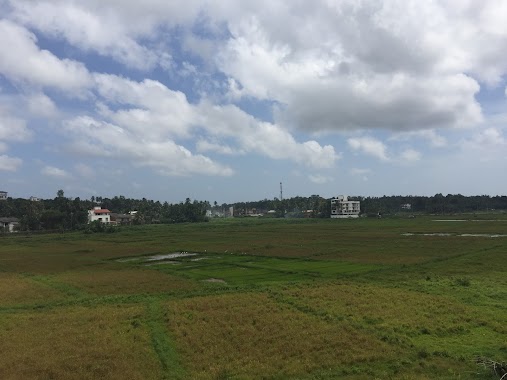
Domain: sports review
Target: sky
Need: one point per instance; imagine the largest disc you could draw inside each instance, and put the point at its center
(223, 100)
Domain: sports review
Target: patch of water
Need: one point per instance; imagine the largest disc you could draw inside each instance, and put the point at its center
(484, 235)
(170, 256)
(216, 280)
(161, 262)
(450, 220)
(128, 259)
(459, 235)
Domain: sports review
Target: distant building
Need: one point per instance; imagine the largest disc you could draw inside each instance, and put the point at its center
(8, 224)
(3, 195)
(103, 215)
(121, 218)
(34, 199)
(406, 206)
(341, 207)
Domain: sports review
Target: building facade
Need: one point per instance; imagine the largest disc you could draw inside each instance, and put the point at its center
(103, 215)
(3, 195)
(8, 224)
(341, 207)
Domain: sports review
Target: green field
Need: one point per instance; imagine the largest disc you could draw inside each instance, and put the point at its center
(258, 299)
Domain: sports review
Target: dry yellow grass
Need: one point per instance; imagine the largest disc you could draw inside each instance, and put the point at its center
(109, 342)
(135, 281)
(389, 308)
(15, 289)
(252, 336)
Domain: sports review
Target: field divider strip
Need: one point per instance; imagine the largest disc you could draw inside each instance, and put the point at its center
(162, 345)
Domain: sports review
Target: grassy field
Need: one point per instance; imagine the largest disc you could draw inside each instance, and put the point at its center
(390, 298)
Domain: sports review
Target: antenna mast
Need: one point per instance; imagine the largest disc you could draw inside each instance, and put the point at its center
(281, 192)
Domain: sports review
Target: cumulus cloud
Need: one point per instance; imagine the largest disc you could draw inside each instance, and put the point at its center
(40, 104)
(436, 140)
(26, 62)
(330, 66)
(410, 155)
(54, 172)
(255, 136)
(124, 31)
(488, 142)
(211, 146)
(369, 146)
(165, 156)
(13, 128)
(490, 136)
(150, 111)
(10, 164)
(149, 107)
(374, 66)
(411, 69)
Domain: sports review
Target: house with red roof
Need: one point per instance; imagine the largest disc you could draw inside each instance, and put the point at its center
(103, 215)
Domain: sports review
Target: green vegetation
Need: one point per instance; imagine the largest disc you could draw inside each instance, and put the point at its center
(387, 298)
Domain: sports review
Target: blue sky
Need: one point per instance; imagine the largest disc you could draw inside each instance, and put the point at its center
(222, 101)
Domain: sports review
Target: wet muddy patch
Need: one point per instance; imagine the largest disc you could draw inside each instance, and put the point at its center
(215, 280)
(455, 235)
(160, 258)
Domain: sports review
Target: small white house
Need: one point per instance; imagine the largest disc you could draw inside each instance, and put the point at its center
(34, 199)
(3, 195)
(103, 215)
(8, 224)
(341, 207)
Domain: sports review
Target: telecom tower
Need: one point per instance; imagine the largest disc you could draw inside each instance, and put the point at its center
(281, 192)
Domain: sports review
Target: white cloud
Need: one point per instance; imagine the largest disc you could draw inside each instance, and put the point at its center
(54, 172)
(12, 128)
(10, 164)
(211, 146)
(436, 140)
(374, 65)
(120, 31)
(40, 104)
(488, 145)
(264, 138)
(369, 146)
(165, 156)
(26, 62)
(155, 113)
(410, 155)
(490, 136)
(3, 147)
(153, 110)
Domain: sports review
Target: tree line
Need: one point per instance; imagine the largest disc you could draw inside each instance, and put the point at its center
(63, 213)
(69, 214)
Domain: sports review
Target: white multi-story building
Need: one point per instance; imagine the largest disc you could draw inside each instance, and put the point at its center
(341, 207)
(3, 195)
(103, 215)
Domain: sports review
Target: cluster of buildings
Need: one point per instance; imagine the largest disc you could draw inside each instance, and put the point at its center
(341, 207)
(103, 215)
(7, 224)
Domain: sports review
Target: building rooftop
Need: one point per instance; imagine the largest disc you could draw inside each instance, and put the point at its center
(101, 211)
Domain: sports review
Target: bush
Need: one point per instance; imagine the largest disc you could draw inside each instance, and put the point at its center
(98, 227)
